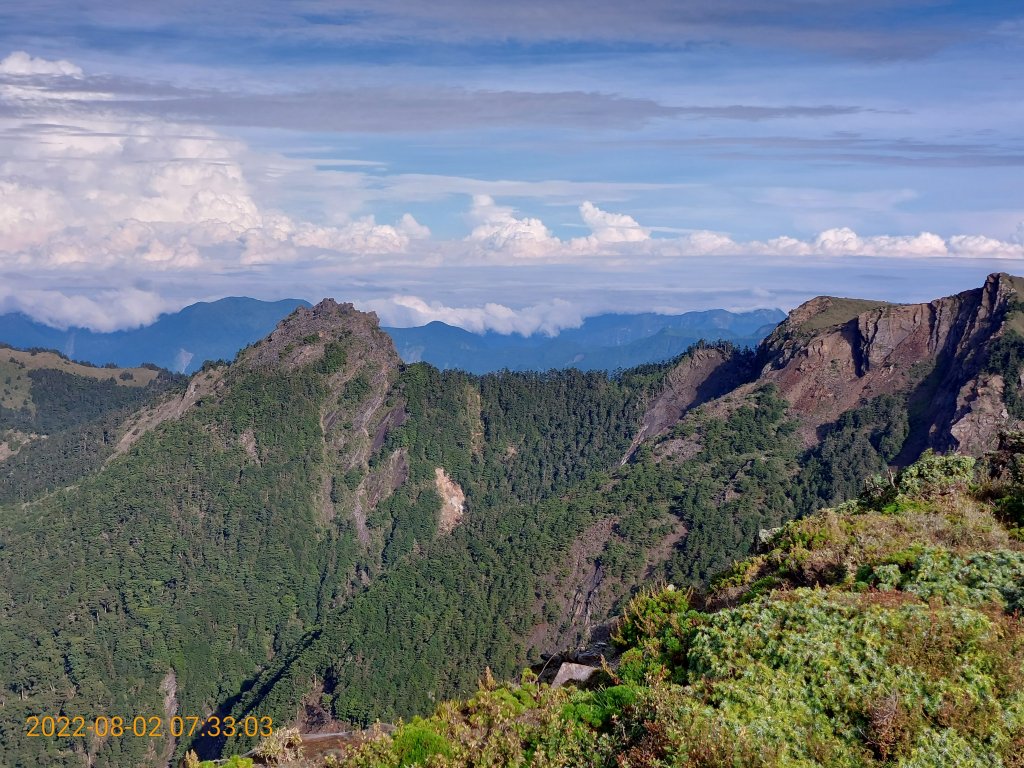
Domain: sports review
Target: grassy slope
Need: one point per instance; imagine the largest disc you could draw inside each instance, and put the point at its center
(838, 312)
(16, 391)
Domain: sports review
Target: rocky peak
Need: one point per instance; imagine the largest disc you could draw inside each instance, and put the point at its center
(303, 336)
(1000, 288)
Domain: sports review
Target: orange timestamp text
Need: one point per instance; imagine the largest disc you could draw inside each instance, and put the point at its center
(141, 726)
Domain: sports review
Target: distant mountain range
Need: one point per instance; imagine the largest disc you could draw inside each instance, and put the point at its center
(603, 342)
(182, 341)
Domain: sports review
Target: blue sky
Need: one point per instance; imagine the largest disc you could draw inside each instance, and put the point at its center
(507, 166)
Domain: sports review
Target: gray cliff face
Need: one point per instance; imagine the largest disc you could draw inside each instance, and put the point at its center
(974, 398)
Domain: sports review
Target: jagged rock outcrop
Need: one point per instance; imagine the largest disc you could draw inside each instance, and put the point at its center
(302, 337)
(355, 418)
(832, 355)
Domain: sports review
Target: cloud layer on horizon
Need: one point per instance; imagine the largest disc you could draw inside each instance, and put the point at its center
(104, 201)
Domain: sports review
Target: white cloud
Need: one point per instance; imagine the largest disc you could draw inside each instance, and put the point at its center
(612, 227)
(103, 311)
(363, 235)
(842, 240)
(115, 196)
(547, 317)
(498, 229)
(926, 244)
(412, 229)
(20, 63)
(279, 238)
(105, 189)
(979, 246)
(706, 243)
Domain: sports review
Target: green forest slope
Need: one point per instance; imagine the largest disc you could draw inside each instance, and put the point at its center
(222, 541)
(425, 629)
(58, 418)
(884, 632)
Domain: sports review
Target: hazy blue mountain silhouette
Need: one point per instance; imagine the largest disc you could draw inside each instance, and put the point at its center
(182, 341)
(178, 341)
(603, 342)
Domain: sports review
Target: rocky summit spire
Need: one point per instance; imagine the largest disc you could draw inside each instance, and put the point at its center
(305, 334)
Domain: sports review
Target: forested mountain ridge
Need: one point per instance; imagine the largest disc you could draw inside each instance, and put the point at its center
(178, 341)
(603, 342)
(732, 444)
(323, 535)
(248, 510)
(59, 419)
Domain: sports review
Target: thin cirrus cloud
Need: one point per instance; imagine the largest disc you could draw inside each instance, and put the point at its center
(874, 29)
(29, 82)
(361, 109)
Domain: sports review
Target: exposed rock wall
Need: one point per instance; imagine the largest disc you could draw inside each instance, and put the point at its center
(934, 353)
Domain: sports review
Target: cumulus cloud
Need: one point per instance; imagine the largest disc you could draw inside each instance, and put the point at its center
(547, 317)
(280, 239)
(498, 229)
(843, 242)
(110, 191)
(612, 227)
(618, 234)
(105, 189)
(116, 195)
(981, 247)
